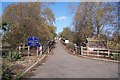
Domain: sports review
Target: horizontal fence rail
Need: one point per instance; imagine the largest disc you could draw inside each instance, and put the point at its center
(99, 52)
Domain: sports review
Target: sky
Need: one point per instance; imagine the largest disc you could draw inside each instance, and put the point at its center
(63, 15)
(61, 11)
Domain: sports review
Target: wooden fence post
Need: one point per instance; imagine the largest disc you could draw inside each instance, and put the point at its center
(40, 49)
(81, 50)
(98, 53)
(19, 49)
(28, 51)
(37, 50)
(48, 49)
(108, 53)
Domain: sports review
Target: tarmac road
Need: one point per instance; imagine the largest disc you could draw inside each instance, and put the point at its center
(64, 65)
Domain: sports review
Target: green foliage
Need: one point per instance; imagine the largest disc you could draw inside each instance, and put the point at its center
(67, 34)
(49, 16)
(27, 20)
(115, 41)
(13, 56)
(92, 19)
(71, 45)
(116, 56)
(51, 33)
(6, 73)
(18, 77)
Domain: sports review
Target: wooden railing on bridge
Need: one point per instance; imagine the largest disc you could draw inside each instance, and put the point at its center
(99, 52)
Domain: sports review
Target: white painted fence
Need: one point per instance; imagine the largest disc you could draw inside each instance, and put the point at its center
(98, 52)
(39, 49)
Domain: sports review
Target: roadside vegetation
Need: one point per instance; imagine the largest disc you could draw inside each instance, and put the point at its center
(23, 20)
(97, 21)
(27, 19)
(18, 22)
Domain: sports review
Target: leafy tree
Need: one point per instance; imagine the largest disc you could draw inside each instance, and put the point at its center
(51, 32)
(27, 20)
(116, 39)
(83, 22)
(92, 19)
(67, 34)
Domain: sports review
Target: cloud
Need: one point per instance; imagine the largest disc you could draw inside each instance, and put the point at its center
(62, 18)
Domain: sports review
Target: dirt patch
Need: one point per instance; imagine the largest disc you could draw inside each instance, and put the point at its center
(20, 65)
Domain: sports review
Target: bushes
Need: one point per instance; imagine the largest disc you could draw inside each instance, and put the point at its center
(116, 57)
(70, 45)
(6, 73)
(13, 56)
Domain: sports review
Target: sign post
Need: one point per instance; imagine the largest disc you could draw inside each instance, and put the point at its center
(28, 51)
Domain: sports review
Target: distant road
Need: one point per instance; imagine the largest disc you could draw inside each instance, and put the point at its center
(64, 65)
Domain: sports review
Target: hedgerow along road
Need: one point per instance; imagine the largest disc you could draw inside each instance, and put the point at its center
(64, 65)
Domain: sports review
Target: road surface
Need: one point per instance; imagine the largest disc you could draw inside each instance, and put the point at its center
(64, 65)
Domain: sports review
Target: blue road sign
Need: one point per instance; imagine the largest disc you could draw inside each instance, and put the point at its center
(33, 41)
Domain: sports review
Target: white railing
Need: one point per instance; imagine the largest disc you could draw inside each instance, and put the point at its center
(98, 52)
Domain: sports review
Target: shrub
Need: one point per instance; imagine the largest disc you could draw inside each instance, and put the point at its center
(6, 73)
(13, 56)
(70, 45)
(116, 56)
